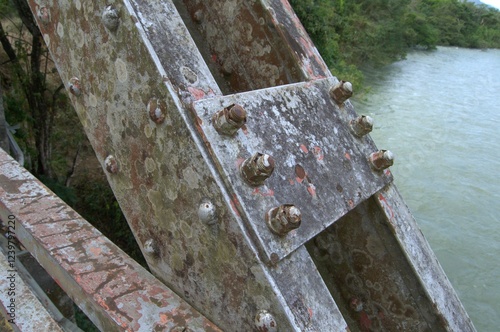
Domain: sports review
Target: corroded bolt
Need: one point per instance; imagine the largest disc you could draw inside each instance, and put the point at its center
(341, 92)
(362, 125)
(256, 169)
(356, 304)
(228, 120)
(111, 164)
(157, 109)
(149, 246)
(110, 18)
(265, 322)
(381, 159)
(74, 87)
(44, 15)
(283, 219)
(207, 212)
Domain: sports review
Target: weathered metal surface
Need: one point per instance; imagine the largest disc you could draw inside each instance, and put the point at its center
(115, 291)
(19, 305)
(242, 44)
(146, 93)
(368, 273)
(422, 260)
(320, 166)
(163, 172)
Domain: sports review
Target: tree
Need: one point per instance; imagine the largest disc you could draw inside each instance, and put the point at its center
(29, 62)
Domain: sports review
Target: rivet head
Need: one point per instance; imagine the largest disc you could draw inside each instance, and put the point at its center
(110, 18)
(74, 87)
(157, 109)
(381, 159)
(362, 125)
(228, 120)
(265, 322)
(356, 304)
(198, 16)
(283, 219)
(111, 164)
(207, 212)
(44, 15)
(256, 169)
(149, 246)
(341, 92)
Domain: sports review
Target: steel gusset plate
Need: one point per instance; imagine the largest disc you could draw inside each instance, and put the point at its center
(321, 167)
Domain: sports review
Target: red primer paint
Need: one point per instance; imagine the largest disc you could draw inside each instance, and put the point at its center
(234, 205)
(318, 153)
(267, 193)
(386, 206)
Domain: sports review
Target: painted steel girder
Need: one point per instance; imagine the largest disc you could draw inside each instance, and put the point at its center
(146, 78)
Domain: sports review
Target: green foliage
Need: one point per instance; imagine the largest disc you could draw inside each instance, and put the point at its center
(352, 34)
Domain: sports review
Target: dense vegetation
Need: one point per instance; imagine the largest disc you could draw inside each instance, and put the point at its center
(351, 34)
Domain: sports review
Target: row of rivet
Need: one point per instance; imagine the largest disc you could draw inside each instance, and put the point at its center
(254, 170)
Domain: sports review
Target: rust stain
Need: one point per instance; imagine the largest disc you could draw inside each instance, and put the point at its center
(318, 153)
(386, 206)
(235, 203)
(268, 192)
(304, 148)
(311, 188)
(347, 156)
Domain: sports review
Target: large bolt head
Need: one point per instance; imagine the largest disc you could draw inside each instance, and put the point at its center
(228, 120)
(265, 322)
(256, 169)
(283, 219)
(362, 125)
(341, 92)
(381, 160)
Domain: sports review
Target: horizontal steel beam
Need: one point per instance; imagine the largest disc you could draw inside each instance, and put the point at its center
(111, 288)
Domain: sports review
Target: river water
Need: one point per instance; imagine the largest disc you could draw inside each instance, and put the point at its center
(439, 112)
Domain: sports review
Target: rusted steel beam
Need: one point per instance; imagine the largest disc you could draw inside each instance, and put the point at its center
(111, 288)
(20, 307)
(149, 80)
(423, 261)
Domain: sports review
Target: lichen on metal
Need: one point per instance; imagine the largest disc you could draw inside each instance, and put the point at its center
(114, 291)
(149, 90)
(302, 128)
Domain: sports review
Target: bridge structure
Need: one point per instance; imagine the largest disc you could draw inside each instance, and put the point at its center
(249, 180)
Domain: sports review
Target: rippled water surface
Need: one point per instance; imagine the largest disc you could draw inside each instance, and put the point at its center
(439, 113)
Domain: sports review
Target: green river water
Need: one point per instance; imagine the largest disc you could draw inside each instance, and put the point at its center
(439, 112)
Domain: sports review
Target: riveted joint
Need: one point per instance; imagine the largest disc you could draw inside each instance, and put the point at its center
(341, 92)
(110, 18)
(228, 120)
(256, 169)
(283, 219)
(381, 160)
(361, 126)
